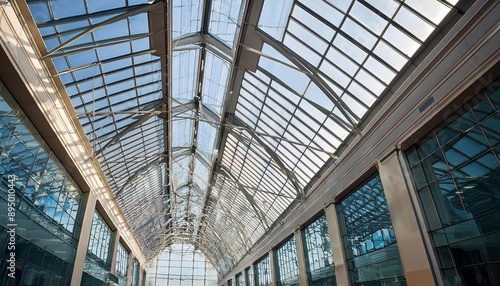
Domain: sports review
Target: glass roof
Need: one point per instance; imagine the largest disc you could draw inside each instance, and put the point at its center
(211, 118)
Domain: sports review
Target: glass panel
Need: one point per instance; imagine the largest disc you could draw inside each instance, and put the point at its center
(288, 266)
(225, 20)
(249, 277)
(458, 189)
(370, 242)
(182, 262)
(186, 16)
(97, 261)
(319, 253)
(215, 74)
(263, 272)
(121, 269)
(135, 272)
(274, 17)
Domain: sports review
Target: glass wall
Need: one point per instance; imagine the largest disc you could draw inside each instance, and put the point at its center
(182, 265)
(121, 269)
(456, 173)
(249, 276)
(263, 271)
(135, 272)
(39, 204)
(288, 266)
(319, 258)
(370, 244)
(97, 260)
(239, 280)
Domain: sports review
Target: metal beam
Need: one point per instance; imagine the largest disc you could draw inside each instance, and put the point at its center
(313, 73)
(140, 120)
(140, 171)
(76, 18)
(325, 111)
(238, 226)
(258, 211)
(127, 56)
(212, 43)
(92, 28)
(255, 135)
(99, 44)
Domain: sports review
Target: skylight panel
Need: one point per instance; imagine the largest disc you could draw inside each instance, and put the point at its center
(274, 17)
(207, 135)
(186, 17)
(216, 73)
(225, 20)
(184, 74)
(99, 5)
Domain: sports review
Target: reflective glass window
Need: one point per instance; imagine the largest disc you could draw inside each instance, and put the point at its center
(44, 191)
(288, 267)
(98, 259)
(182, 262)
(319, 253)
(121, 270)
(249, 276)
(45, 199)
(456, 171)
(369, 241)
(135, 272)
(263, 272)
(239, 280)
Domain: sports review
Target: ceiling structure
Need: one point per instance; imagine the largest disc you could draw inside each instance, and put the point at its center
(210, 119)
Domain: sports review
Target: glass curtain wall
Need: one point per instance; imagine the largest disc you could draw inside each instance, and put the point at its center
(182, 265)
(319, 253)
(288, 266)
(44, 201)
(456, 174)
(263, 272)
(370, 244)
(135, 272)
(249, 276)
(98, 259)
(121, 269)
(239, 280)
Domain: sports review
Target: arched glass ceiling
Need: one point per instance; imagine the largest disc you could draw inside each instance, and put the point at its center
(211, 118)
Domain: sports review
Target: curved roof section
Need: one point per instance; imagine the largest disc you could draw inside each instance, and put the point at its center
(211, 118)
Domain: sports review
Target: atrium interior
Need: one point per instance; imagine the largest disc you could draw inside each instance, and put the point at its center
(249, 142)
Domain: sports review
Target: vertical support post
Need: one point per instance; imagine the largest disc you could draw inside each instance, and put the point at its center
(130, 268)
(140, 275)
(273, 266)
(301, 258)
(89, 204)
(115, 251)
(414, 257)
(339, 259)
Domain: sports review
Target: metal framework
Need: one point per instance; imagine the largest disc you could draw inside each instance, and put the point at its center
(211, 118)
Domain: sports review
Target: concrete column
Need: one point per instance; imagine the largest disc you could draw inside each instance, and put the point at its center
(339, 259)
(301, 258)
(140, 275)
(88, 203)
(130, 268)
(114, 252)
(252, 266)
(414, 258)
(244, 277)
(273, 266)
